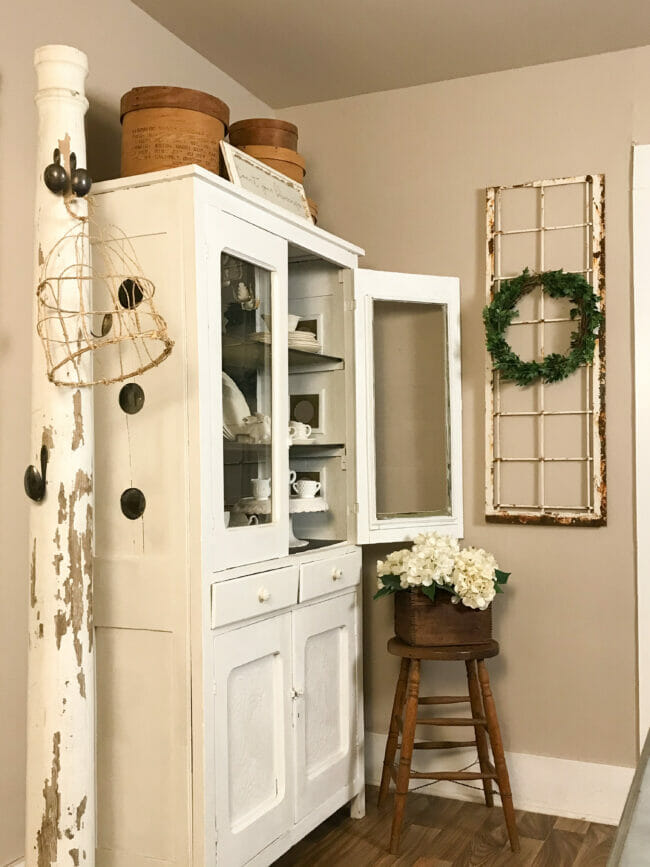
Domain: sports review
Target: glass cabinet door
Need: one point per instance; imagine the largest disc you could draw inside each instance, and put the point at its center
(408, 405)
(252, 473)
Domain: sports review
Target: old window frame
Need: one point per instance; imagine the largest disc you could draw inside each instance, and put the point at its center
(594, 512)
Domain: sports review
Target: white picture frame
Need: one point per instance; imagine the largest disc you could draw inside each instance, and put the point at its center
(256, 177)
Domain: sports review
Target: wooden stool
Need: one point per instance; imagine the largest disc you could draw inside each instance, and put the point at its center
(484, 717)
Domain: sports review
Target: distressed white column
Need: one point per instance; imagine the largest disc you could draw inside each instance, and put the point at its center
(60, 809)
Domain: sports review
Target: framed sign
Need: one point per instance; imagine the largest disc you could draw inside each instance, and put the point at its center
(250, 174)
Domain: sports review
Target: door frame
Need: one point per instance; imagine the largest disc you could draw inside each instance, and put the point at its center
(641, 282)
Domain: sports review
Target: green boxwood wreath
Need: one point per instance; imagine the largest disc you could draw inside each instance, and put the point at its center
(499, 314)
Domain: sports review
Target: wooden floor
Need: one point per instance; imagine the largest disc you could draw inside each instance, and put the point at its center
(439, 832)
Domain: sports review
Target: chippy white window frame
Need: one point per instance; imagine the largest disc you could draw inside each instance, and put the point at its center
(593, 510)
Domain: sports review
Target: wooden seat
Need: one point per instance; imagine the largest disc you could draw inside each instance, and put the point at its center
(483, 720)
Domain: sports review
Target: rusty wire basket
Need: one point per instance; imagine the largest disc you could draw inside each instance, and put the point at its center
(96, 319)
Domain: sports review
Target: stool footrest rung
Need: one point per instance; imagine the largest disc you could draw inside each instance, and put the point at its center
(444, 699)
(441, 745)
(452, 721)
(451, 775)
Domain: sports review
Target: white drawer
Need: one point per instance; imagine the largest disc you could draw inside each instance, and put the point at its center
(328, 576)
(243, 598)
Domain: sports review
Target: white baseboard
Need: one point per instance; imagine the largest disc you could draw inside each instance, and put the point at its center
(540, 784)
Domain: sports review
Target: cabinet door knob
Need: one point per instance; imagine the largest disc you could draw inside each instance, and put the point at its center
(263, 594)
(337, 573)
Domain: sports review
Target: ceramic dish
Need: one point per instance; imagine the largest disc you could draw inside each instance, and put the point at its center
(235, 408)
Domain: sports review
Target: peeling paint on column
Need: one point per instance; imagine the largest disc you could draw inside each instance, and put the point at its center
(32, 576)
(80, 564)
(78, 431)
(48, 438)
(48, 835)
(88, 571)
(81, 809)
(62, 505)
(74, 854)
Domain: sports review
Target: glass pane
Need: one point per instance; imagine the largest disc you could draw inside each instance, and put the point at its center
(411, 409)
(247, 389)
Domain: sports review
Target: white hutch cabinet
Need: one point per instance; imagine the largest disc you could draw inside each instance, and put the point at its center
(228, 613)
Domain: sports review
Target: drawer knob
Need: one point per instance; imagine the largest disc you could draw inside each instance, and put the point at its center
(263, 594)
(337, 573)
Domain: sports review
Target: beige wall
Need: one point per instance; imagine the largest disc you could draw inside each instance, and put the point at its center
(403, 174)
(125, 48)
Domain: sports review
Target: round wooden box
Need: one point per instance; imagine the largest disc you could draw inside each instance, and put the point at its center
(264, 131)
(289, 162)
(166, 127)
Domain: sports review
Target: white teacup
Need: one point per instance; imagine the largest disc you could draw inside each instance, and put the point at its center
(299, 430)
(226, 518)
(261, 488)
(292, 476)
(306, 488)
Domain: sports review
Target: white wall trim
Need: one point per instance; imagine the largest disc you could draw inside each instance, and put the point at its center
(641, 278)
(19, 863)
(540, 784)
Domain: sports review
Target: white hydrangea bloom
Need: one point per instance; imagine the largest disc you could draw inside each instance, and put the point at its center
(474, 577)
(469, 574)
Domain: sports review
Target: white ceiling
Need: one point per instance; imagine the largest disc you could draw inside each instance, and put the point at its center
(290, 52)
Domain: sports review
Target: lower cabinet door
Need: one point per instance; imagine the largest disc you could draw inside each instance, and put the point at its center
(253, 749)
(324, 679)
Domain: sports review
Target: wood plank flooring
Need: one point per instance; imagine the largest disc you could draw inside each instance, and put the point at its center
(440, 832)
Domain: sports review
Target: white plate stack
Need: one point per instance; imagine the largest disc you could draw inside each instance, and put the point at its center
(304, 340)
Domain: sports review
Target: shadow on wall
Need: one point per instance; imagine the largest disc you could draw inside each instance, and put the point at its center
(103, 139)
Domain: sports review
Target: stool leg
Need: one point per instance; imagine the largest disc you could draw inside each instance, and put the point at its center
(393, 732)
(406, 753)
(479, 732)
(494, 732)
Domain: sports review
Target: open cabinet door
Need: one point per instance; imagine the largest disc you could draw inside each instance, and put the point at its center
(408, 405)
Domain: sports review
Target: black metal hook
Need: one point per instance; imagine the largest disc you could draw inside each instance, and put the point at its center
(35, 481)
(57, 180)
(55, 175)
(80, 180)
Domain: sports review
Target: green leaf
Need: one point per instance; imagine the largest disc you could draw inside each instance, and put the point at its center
(391, 581)
(383, 592)
(498, 588)
(429, 591)
(502, 577)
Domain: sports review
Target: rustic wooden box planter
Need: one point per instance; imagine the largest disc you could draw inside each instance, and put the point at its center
(419, 621)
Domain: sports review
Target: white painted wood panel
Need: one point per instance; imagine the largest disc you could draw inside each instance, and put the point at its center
(324, 675)
(252, 737)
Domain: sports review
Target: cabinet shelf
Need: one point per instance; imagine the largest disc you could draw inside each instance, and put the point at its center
(243, 453)
(248, 354)
(317, 450)
(314, 544)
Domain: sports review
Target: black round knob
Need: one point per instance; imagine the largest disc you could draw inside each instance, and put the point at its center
(132, 503)
(81, 182)
(55, 176)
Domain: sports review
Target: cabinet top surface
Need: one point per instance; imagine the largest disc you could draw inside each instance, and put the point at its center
(229, 190)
